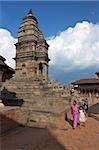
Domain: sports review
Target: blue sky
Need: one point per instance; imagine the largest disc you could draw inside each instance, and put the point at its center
(54, 18)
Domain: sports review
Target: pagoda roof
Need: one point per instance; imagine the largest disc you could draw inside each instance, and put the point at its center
(3, 64)
(97, 73)
(2, 58)
(11, 69)
(86, 81)
(2, 61)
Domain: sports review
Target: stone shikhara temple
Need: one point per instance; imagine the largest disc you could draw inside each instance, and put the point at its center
(31, 50)
(40, 100)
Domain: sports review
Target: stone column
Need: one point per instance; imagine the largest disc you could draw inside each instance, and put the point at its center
(43, 72)
(37, 75)
(46, 73)
(93, 96)
(35, 72)
(97, 97)
(90, 98)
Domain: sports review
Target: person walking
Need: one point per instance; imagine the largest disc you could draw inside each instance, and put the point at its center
(74, 111)
(85, 104)
(82, 117)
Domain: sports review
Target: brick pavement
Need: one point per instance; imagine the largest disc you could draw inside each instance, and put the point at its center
(61, 138)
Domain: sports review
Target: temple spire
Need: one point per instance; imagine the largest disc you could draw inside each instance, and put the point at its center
(30, 12)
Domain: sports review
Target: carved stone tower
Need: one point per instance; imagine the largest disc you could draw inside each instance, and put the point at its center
(31, 50)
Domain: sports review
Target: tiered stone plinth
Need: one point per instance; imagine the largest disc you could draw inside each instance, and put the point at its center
(35, 94)
(43, 105)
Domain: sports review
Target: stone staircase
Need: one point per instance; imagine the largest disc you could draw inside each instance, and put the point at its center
(35, 94)
(43, 104)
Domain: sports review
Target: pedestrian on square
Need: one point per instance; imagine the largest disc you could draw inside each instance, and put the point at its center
(74, 112)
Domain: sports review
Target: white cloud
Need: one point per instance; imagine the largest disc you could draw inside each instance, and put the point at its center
(7, 48)
(75, 48)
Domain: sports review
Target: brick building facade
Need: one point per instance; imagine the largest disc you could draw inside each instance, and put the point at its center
(6, 72)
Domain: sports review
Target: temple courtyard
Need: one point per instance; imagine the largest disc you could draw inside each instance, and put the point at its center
(50, 138)
(32, 112)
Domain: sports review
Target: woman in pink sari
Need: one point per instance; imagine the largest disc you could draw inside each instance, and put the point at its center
(74, 111)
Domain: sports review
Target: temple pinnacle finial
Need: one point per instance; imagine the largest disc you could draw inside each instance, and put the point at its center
(30, 12)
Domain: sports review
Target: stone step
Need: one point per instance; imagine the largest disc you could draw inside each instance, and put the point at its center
(32, 97)
(35, 94)
(27, 83)
(44, 104)
(25, 89)
(31, 91)
(29, 86)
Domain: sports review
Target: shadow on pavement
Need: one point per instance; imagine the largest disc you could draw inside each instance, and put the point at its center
(16, 137)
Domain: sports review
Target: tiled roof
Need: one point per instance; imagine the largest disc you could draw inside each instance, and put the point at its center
(11, 69)
(97, 73)
(2, 63)
(86, 81)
